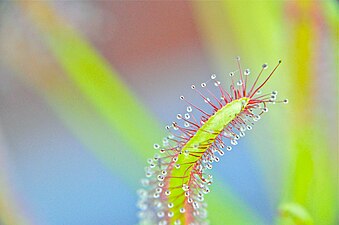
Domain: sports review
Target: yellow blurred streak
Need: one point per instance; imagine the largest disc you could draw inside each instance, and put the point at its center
(231, 28)
(95, 78)
(312, 181)
(37, 69)
(68, 104)
(257, 29)
(46, 77)
(11, 212)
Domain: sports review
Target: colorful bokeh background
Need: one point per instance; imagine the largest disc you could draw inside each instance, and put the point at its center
(87, 87)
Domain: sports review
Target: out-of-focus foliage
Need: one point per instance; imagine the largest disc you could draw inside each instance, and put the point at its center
(304, 142)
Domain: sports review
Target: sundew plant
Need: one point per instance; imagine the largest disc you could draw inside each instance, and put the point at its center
(86, 90)
(177, 178)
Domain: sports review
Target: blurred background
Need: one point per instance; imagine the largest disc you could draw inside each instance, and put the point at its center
(87, 87)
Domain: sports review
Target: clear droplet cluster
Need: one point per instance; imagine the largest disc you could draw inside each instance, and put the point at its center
(162, 203)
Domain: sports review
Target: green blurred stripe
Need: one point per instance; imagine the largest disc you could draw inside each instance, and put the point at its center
(96, 79)
(257, 29)
(69, 105)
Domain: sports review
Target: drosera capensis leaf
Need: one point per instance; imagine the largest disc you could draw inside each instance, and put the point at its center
(44, 17)
(176, 178)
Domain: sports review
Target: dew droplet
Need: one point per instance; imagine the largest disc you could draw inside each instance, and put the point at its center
(217, 83)
(162, 222)
(170, 214)
(234, 142)
(156, 157)
(148, 174)
(206, 190)
(160, 214)
(195, 205)
(157, 204)
(156, 195)
(185, 187)
(158, 190)
(160, 178)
